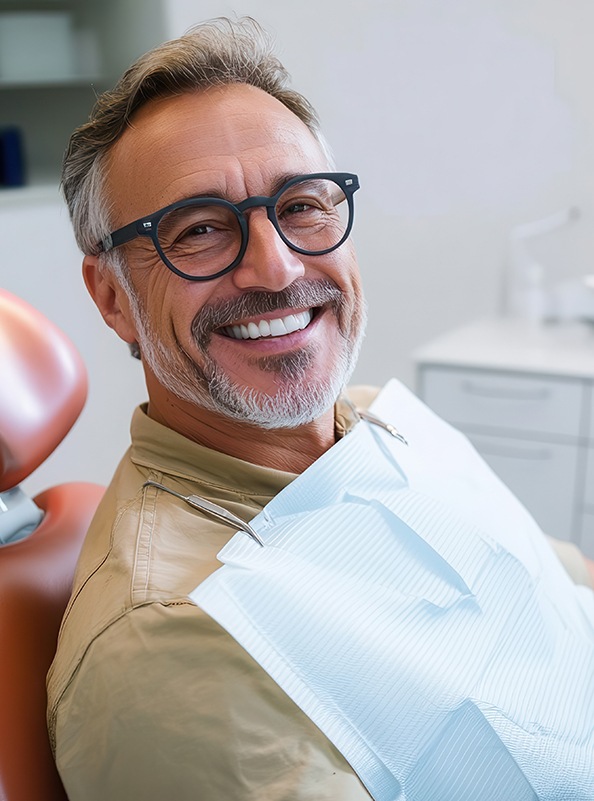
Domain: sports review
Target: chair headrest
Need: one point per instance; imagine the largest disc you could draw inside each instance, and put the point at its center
(43, 388)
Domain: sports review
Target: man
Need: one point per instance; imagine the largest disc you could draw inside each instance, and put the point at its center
(215, 233)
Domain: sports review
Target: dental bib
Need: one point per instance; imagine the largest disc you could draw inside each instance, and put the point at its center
(408, 603)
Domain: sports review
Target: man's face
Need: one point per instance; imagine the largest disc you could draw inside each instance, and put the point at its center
(234, 142)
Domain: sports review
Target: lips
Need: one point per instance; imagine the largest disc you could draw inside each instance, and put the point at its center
(245, 316)
(276, 327)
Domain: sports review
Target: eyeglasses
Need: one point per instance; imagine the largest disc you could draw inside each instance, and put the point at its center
(202, 238)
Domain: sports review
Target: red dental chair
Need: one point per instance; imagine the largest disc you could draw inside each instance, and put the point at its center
(43, 388)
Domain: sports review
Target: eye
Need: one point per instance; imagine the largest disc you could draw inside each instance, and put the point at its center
(301, 207)
(199, 226)
(197, 230)
(296, 207)
(195, 235)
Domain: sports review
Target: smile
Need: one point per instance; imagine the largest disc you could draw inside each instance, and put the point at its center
(278, 327)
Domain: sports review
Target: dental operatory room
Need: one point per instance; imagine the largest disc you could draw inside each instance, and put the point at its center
(469, 125)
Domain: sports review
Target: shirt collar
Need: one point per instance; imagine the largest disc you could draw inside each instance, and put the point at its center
(160, 448)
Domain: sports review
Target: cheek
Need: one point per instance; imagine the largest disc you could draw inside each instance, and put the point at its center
(347, 276)
(341, 266)
(354, 275)
(175, 307)
(344, 272)
(149, 275)
(352, 264)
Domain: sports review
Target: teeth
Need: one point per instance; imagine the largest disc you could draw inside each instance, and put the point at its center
(277, 328)
(270, 328)
(253, 331)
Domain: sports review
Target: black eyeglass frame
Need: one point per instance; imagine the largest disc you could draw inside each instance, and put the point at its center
(149, 225)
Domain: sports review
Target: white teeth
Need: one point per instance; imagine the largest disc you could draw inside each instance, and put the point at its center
(253, 331)
(270, 328)
(277, 328)
(292, 324)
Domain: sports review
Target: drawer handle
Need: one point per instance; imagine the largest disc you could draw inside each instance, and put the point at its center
(542, 393)
(534, 454)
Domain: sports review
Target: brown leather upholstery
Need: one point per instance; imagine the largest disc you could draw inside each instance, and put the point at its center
(42, 390)
(35, 581)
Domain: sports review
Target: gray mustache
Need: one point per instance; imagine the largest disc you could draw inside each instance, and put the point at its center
(301, 293)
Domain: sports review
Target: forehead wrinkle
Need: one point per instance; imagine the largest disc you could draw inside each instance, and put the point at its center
(229, 140)
(230, 183)
(193, 182)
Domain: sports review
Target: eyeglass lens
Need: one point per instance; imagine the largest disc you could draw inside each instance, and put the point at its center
(204, 239)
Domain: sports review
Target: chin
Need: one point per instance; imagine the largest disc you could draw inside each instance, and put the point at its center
(295, 402)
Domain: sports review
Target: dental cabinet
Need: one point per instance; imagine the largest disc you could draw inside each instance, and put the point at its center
(524, 395)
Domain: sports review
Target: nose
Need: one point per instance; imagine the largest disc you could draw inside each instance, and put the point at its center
(268, 264)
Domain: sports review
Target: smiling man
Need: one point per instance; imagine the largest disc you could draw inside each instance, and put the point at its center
(216, 239)
(259, 317)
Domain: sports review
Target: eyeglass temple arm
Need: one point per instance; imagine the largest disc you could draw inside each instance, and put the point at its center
(125, 234)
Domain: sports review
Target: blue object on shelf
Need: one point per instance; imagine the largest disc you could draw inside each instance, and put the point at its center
(12, 163)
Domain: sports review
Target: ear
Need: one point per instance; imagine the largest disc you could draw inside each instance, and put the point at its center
(110, 298)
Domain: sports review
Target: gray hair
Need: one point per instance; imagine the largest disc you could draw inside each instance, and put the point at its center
(215, 53)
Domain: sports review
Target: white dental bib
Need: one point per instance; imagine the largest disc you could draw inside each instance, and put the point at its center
(408, 603)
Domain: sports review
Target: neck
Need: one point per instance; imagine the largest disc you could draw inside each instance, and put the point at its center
(289, 449)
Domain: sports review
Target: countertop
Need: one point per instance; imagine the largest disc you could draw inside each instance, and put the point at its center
(561, 349)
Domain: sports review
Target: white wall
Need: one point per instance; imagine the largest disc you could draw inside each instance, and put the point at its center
(462, 118)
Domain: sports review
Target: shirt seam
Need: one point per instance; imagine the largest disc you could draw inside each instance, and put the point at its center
(53, 712)
(73, 598)
(144, 540)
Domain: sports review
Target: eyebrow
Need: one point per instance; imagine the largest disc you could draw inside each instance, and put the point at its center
(216, 193)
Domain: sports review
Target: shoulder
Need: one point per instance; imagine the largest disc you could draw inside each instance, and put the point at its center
(145, 551)
(362, 395)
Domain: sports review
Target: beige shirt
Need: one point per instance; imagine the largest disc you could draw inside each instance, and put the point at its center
(148, 697)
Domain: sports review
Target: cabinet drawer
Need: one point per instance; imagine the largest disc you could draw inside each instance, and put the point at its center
(507, 401)
(541, 474)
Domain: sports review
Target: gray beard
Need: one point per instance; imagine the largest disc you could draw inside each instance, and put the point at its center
(298, 400)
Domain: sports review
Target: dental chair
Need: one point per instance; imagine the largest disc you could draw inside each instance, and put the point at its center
(43, 388)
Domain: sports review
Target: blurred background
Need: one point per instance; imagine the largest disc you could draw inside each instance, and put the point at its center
(467, 121)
